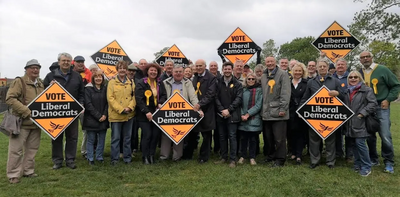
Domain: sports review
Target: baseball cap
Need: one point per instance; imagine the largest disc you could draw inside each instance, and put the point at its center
(79, 58)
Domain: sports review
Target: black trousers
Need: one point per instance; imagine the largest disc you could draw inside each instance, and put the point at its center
(150, 133)
(249, 139)
(204, 149)
(71, 142)
(275, 134)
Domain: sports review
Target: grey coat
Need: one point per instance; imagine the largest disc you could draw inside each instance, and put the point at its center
(363, 102)
(278, 100)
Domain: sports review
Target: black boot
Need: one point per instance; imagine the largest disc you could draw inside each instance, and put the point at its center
(151, 159)
(145, 161)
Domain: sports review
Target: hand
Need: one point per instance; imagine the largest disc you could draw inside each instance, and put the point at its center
(159, 106)
(51, 82)
(333, 93)
(385, 104)
(149, 116)
(201, 113)
(127, 110)
(244, 118)
(196, 107)
(282, 113)
(225, 113)
(103, 117)
(360, 116)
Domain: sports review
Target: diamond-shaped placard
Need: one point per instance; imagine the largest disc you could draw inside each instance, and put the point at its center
(174, 54)
(54, 110)
(176, 118)
(323, 113)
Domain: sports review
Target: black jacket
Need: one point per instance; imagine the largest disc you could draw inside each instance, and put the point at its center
(139, 75)
(95, 106)
(229, 97)
(164, 76)
(297, 123)
(208, 90)
(141, 101)
(313, 85)
(74, 84)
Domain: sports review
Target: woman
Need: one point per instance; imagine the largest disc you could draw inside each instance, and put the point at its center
(95, 120)
(23, 147)
(313, 85)
(362, 102)
(259, 69)
(150, 94)
(297, 128)
(121, 110)
(188, 73)
(251, 124)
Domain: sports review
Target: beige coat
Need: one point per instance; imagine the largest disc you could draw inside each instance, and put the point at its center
(188, 91)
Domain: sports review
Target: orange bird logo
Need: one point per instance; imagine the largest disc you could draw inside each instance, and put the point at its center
(176, 132)
(55, 126)
(324, 128)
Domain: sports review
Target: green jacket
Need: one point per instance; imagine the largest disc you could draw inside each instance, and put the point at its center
(388, 85)
(254, 122)
(14, 98)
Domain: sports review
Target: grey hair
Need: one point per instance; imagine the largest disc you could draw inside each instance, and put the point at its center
(257, 79)
(259, 67)
(372, 55)
(169, 60)
(64, 54)
(340, 60)
(178, 66)
(325, 60)
(237, 61)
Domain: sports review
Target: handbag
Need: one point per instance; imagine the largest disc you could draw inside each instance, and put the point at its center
(11, 124)
(372, 123)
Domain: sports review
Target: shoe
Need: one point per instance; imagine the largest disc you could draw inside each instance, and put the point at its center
(268, 160)
(202, 161)
(57, 166)
(331, 166)
(134, 151)
(91, 163)
(313, 166)
(389, 169)
(127, 162)
(145, 161)
(298, 161)
(365, 173)
(356, 169)
(222, 161)
(375, 163)
(241, 161)
(276, 165)
(71, 165)
(232, 164)
(84, 155)
(14, 180)
(121, 155)
(114, 163)
(33, 175)
(293, 157)
(349, 160)
(151, 160)
(100, 161)
(253, 162)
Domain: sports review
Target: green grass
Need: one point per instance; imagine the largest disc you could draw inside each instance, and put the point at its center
(188, 178)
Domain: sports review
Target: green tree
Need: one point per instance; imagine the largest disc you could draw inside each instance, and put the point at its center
(268, 48)
(385, 53)
(162, 51)
(300, 49)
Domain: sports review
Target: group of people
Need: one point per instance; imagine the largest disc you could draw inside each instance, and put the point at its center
(237, 105)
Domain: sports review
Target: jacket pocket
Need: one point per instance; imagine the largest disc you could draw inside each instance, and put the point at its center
(358, 124)
(274, 109)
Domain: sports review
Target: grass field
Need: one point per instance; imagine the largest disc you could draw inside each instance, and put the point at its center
(188, 178)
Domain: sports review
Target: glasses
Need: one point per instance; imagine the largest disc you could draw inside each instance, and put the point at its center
(353, 77)
(363, 57)
(250, 79)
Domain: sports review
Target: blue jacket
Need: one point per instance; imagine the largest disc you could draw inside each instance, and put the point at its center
(254, 122)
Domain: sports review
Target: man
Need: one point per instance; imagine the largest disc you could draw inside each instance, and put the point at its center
(312, 69)
(22, 148)
(386, 87)
(228, 102)
(93, 68)
(169, 65)
(132, 71)
(205, 85)
(246, 70)
(292, 63)
(341, 74)
(73, 83)
(213, 68)
(238, 70)
(185, 87)
(140, 72)
(275, 111)
(284, 64)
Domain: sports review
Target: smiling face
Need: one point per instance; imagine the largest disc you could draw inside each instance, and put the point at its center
(312, 68)
(297, 72)
(152, 73)
(33, 71)
(366, 59)
(322, 68)
(98, 79)
(270, 62)
(251, 80)
(227, 70)
(284, 64)
(169, 65)
(177, 73)
(354, 79)
(188, 73)
(200, 66)
(213, 68)
(65, 63)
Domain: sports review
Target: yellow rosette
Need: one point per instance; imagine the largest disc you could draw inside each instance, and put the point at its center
(148, 94)
(322, 79)
(198, 88)
(374, 83)
(231, 86)
(271, 84)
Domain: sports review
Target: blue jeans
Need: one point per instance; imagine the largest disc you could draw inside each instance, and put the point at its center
(228, 131)
(386, 137)
(126, 129)
(91, 137)
(361, 155)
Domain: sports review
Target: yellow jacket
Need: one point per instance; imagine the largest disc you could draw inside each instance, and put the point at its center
(120, 96)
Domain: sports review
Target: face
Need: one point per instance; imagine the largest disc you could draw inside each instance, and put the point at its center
(251, 80)
(213, 67)
(177, 73)
(366, 59)
(33, 71)
(246, 70)
(80, 65)
(131, 74)
(188, 73)
(283, 64)
(353, 79)
(194, 69)
(312, 68)
(168, 67)
(270, 62)
(292, 63)
(152, 73)
(227, 70)
(341, 67)
(322, 68)
(239, 67)
(65, 62)
(93, 70)
(98, 79)
(332, 71)
(200, 66)
(142, 64)
(122, 71)
(297, 72)
(259, 72)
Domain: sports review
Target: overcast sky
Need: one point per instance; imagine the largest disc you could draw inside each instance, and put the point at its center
(41, 29)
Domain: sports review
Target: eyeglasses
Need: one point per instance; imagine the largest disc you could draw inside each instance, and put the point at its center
(353, 77)
(250, 79)
(363, 57)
